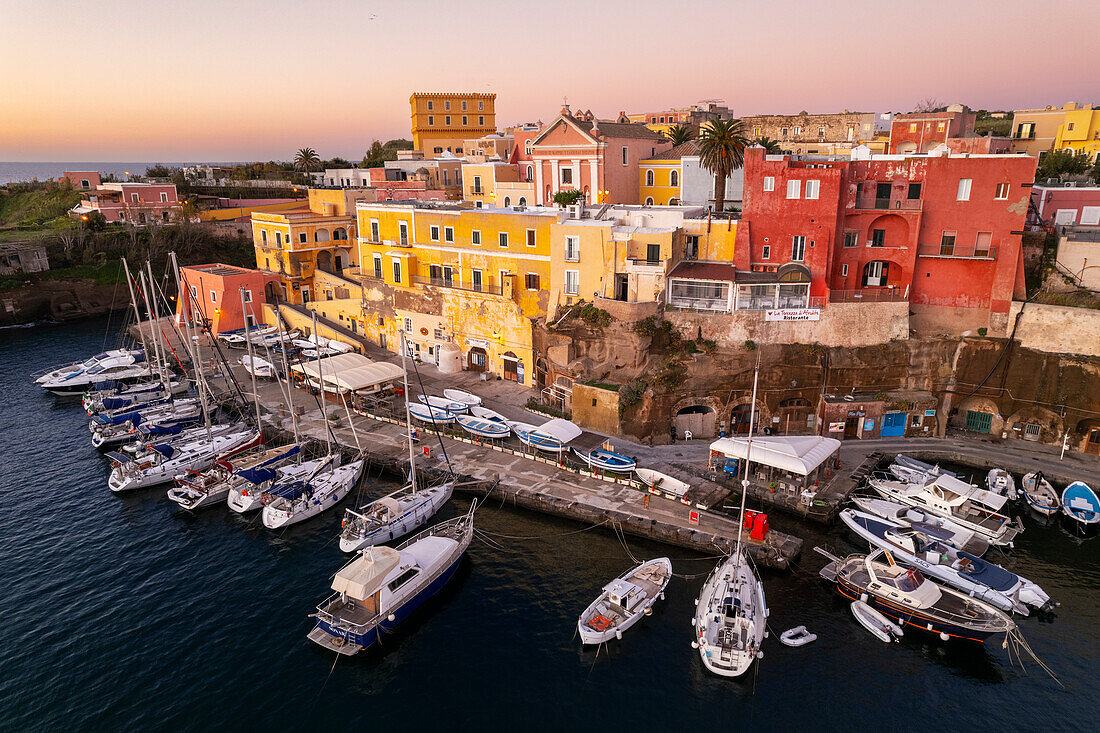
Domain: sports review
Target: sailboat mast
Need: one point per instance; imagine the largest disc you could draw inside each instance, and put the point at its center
(408, 417)
(286, 373)
(146, 290)
(193, 348)
(748, 452)
(162, 348)
(251, 361)
(134, 303)
(321, 383)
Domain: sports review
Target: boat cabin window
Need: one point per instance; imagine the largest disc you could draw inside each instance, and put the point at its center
(905, 581)
(403, 578)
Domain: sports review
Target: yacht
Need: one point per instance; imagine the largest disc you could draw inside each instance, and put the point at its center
(114, 357)
(196, 490)
(295, 501)
(246, 492)
(165, 460)
(115, 371)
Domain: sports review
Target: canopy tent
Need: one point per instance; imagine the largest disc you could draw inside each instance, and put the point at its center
(365, 574)
(561, 430)
(348, 372)
(798, 454)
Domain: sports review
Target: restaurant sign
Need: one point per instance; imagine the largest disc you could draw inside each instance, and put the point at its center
(793, 314)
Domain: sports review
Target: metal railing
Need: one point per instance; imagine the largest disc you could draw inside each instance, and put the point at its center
(486, 286)
(957, 251)
(890, 203)
(869, 295)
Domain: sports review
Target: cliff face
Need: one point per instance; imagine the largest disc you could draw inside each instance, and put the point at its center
(60, 300)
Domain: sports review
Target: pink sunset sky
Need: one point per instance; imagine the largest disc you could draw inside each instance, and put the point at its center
(251, 79)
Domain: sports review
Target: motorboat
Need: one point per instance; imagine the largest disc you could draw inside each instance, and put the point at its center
(441, 403)
(246, 491)
(552, 436)
(460, 395)
(606, 460)
(932, 525)
(964, 504)
(121, 370)
(1000, 481)
(883, 628)
(392, 516)
(913, 601)
(482, 427)
(911, 470)
(195, 490)
(486, 414)
(301, 499)
(1080, 503)
(1038, 494)
(429, 414)
(382, 586)
(165, 461)
(624, 601)
(257, 367)
(730, 618)
(660, 483)
(114, 357)
(160, 420)
(959, 569)
(131, 395)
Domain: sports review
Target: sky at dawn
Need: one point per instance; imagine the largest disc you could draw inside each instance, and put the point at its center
(250, 79)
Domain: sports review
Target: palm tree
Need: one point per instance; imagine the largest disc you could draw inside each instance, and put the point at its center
(771, 147)
(306, 159)
(722, 146)
(678, 134)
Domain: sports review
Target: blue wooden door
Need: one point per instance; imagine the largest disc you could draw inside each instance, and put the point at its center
(893, 424)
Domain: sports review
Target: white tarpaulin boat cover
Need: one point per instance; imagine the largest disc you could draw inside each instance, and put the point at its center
(563, 430)
(364, 575)
(349, 372)
(799, 454)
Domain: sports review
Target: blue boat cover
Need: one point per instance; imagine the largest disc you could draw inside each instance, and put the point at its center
(1079, 493)
(113, 403)
(118, 458)
(257, 475)
(292, 490)
(164, 449)
(989, 574)
(168, 428)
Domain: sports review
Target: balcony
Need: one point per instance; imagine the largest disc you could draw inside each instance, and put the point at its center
(486, 286)
(869, 295)
(644, 266)
(957, 252)
(870, 202)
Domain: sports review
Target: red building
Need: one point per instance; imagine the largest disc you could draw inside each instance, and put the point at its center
(920, 132)
(137, 203)
(213, 294)
(942, 231)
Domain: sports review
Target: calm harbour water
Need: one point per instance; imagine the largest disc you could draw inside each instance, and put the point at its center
(123, 611)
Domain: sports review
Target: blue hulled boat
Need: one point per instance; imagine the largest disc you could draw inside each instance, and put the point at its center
(1081, 504)
(606, 460)
(482, 427)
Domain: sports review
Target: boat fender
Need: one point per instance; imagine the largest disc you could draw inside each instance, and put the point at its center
(863, 597)
(648, 611)
(766, 633)
(391, 618)
(694, 645)
(618, 634)
(943, 635)
(760, 655)
(692, 620)
(662, 595)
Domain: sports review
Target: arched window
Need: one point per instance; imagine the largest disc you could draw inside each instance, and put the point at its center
(674, 178)
(522, 200)
(674, 201)
(530, 173)
(527, 147)
(649, 178)
(649, 201)
(507, 201)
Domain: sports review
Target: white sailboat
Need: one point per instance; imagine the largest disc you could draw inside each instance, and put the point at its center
(400, 512)
(165, 461)
(731, 612)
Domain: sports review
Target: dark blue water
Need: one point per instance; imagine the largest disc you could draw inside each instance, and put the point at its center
(126, 612)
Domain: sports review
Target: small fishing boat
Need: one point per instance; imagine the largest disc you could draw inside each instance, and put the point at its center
(906, 597)
(959, 569)
(798, 636)
(486, 414)
(624, 601)
(1080, 503)
(382, 586)
(606, 460)
(299, 500)
(1000, 481)
(441, 403)
(658, 482)
(257, 367)
(935, 526)
(429, 414)
(870, 619)
(552, 436)
(461, 395)
(1039, 495)
(482, 427)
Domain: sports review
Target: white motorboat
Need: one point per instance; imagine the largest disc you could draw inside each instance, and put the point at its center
(195, 490)
(957, 568)
(165, 461)
(660, 483)
(131, 395)
(883, 628)
(624, 601)
(441, 403)
(460, 395)
(246, 490)
(393, 516)
(296, 501)
(257, 367)
(110, 372)
(967, 505)
(932, 525)
(1000, 481)
(378, 589)
(730, 618)
(486, 414)
(1039, 495)
(114, 357)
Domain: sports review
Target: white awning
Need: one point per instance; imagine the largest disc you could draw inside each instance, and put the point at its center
(361, 577)
(799, 454)
(348, 372)
(563, 430)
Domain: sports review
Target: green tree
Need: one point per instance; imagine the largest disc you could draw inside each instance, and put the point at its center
(1059, 162)
(722, 146)
(568, 198)
(306, 160)
(95, 221)
(771, 147)
(679, 134)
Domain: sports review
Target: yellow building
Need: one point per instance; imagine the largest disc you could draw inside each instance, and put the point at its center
(1034, 131)
(496, 184)
(456, 280)
(443, 122)
(1079, 132)
(659, 181)
(296, 244)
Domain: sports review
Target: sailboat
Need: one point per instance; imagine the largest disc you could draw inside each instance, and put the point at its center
(400, 512)
(731, 612)
(196, 490)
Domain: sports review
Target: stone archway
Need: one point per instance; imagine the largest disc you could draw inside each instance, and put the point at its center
(794, 416)
(477, 359)
(979, 415)
(1036, 424)
(324, 261)
(740, 412)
